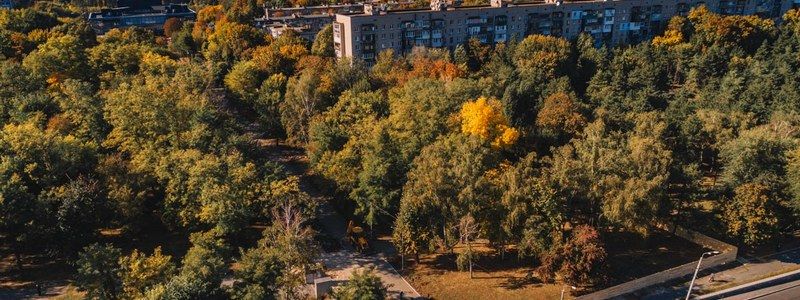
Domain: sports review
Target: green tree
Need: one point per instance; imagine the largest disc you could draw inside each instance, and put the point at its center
(533, 212)
(445, 184)
(98, 271)
(752, 213)
(36, 160)
(757, 155)
(57, 59)
(362, 285)
(609, 176)
(232, 41)
(201, 272)
(140, 272)
(323, 42)
(75, 212)
(241, 11)
(259, 274)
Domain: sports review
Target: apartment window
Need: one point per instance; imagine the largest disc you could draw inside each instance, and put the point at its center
(356, 38)
(383, 35)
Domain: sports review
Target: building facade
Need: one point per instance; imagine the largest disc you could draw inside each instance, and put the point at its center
(612, 22)
(151, 17)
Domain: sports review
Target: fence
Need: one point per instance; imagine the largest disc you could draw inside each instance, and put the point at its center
(728, 254)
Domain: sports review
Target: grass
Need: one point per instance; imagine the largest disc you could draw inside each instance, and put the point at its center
(71, 293)
(630, 256)
(437, 276)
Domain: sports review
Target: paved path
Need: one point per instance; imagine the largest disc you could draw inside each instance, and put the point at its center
(339, 265)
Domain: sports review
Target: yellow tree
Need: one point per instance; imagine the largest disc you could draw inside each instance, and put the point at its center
(485, 118)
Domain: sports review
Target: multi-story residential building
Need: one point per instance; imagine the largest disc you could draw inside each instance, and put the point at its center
(151, 17)
(612, 22)
(309, 20)
(6, 4)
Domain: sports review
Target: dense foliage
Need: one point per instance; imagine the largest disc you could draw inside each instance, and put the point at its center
(541, 143)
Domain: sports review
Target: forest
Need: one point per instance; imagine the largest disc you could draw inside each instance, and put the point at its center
(540, 145)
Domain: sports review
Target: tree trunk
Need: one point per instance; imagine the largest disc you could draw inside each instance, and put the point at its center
(469, 251)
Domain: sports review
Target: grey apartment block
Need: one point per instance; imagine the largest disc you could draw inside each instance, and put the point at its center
(612, 22)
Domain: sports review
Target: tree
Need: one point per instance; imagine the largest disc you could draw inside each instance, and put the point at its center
(445, 184)
(240, 11)
(26, 20)
(757, 155)
(293, 241)
(752, 213)
(613, 177)
(83, 109)
(140, 272)
(244, 80)
(267, 104)
(579, 260)
(171, 26)
(560, 113)
(75, 212)
(57, 59)
(35, 161)
(98, 271)
(201, 273)
(207, 18)
(546, 53)
(467, 232)
(362, 285)
(323, 42)
(533, 212)
(232, 41)
(793, 177)
(305, 98)
(633, 81)
(485, 119)
(259, 274)
(747, 32)
(182, 41)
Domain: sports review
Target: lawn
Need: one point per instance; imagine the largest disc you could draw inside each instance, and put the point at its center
(630, 256)
(436, 276)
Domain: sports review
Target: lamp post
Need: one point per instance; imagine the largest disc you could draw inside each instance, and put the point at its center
(691, 284)
(563, 288)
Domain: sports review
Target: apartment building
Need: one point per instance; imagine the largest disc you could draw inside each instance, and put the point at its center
(152, 17)
(612, 22)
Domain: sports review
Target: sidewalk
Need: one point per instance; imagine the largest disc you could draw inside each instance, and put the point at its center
(739, 291)
(747, 272)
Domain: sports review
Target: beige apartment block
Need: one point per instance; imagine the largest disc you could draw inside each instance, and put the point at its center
(610, 22)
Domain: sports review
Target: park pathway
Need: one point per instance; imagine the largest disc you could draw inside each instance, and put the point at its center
(339, 265)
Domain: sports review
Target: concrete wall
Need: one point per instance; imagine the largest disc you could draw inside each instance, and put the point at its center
(728, 254)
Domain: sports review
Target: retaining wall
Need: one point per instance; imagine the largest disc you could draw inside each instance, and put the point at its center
(728, 254)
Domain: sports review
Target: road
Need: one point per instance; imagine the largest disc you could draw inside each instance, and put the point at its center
(786, 291)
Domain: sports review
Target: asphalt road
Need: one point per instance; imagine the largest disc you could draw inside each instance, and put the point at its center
(786, 291)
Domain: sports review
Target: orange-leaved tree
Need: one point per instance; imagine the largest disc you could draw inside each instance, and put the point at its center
(485, 118)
